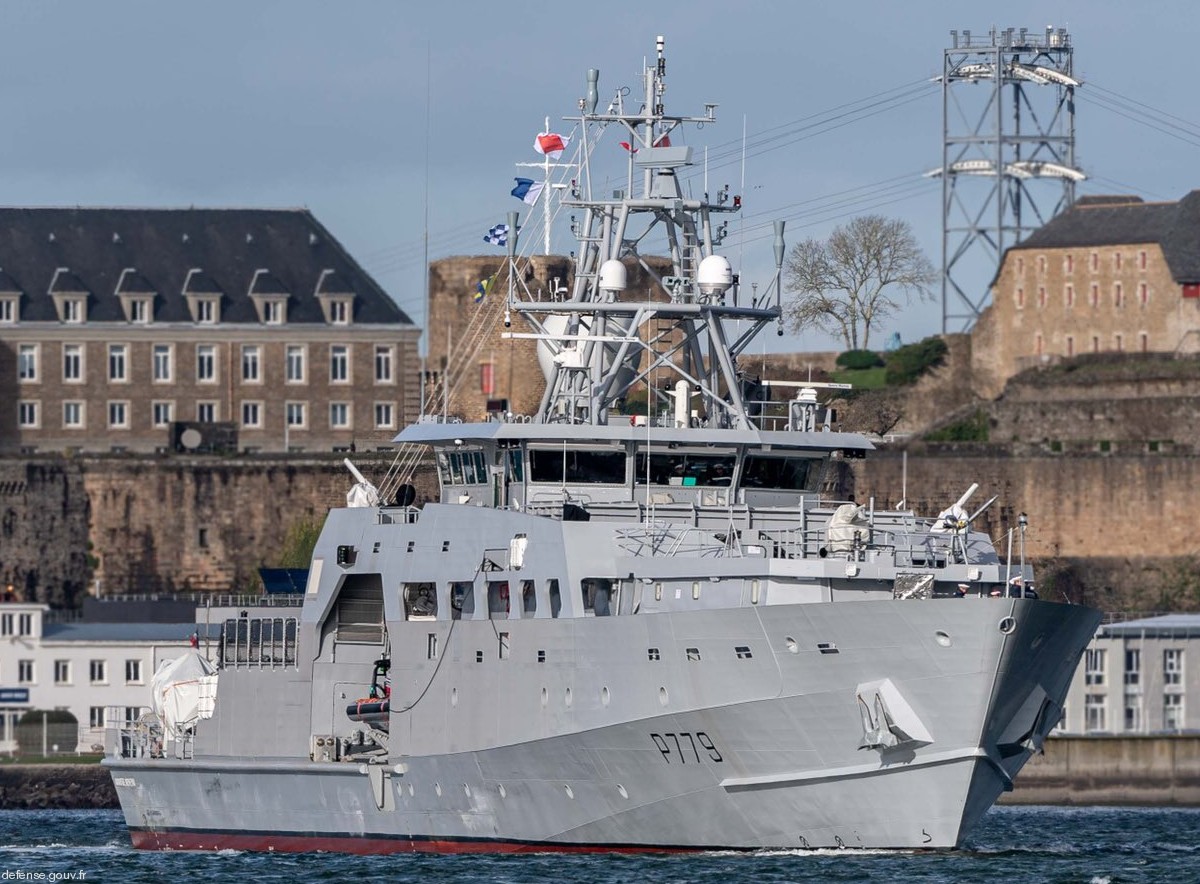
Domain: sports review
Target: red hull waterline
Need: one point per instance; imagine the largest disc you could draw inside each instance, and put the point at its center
(366, 845)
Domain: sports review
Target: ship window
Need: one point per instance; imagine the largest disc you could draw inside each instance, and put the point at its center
(462, 600)
(588, 467)
(462, 468)
(597, 595)
(431, 646)
(743, 652)
(360, 609)
(420, 601)
(693, 655)
(528, 599)
(652, 654)
(555, 599)
(497, 599)
(516, 468)
(791, 473)
(541, 658)
(479, 656)
(685, 469)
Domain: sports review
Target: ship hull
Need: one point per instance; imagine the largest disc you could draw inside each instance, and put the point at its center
(785, 767)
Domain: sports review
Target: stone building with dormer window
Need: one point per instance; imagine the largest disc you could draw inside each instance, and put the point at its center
(123, 329)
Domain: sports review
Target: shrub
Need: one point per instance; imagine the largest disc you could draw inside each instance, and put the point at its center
(969, 429)
(908, 363)
(856, 360)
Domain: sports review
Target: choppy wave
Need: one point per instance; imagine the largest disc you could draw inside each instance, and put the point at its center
(1094, 845)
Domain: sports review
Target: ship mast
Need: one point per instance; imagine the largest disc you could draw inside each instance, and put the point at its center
(601, 342)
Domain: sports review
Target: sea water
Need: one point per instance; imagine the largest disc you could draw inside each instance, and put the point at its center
(1012, 845)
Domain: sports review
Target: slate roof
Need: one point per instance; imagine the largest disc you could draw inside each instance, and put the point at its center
(1116, 220)
(95, 245)
(127, 632)
(1166, 626)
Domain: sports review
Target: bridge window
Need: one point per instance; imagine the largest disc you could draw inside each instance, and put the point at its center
(555, 599)
(586, 467)
(685, 469)
(462, 467)
(791, 473)
(516, 465)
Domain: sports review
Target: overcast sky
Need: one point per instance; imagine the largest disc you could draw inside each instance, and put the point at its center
(324, 105)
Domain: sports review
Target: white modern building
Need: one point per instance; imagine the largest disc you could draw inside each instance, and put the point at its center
(1134, 679)
(100, 672)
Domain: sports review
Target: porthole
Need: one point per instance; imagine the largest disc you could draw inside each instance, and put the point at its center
(942, 638)
(604, 695)
(621, 790)
(1008, 625)
(792, 646)
(662, 696)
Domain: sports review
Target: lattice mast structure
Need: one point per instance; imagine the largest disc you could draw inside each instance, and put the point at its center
(1008, 153)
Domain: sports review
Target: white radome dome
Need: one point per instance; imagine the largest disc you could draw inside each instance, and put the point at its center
(715, 275)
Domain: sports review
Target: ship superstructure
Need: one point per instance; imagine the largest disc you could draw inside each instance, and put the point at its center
(616, 630)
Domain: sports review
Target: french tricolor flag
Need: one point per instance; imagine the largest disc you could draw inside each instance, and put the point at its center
(551, 145)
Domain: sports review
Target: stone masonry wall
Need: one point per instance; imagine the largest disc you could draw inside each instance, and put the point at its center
(43, 529)
(1121, 524)
(158, 524)
(474, 332)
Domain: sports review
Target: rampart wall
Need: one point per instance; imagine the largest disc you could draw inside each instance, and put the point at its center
(1111, 770)
(1121, 523)
(159, 524)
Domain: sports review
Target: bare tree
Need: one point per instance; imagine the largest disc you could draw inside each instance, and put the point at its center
(848, 283)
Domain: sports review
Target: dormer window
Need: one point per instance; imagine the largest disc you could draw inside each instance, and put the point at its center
(270, 297)
(203, 297)
(72, 309)
(136, 295)
(70, 296)
(336, 297)
(207, 311)
(10, 300)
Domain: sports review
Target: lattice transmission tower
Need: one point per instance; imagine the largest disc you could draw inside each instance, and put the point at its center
(1008, 153)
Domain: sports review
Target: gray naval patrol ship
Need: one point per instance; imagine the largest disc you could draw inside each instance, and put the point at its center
(615, 633)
